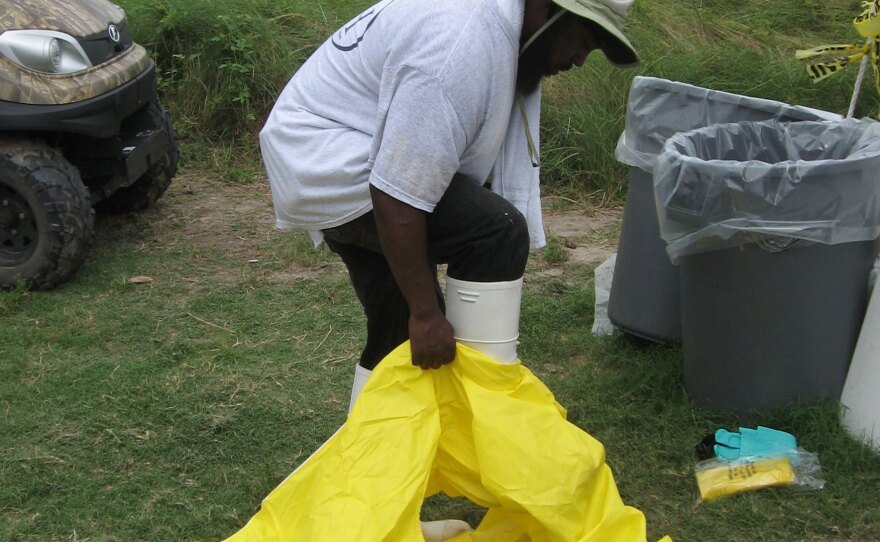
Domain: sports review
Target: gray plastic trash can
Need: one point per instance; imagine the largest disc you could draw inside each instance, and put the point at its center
(774, 227)
(644, 299)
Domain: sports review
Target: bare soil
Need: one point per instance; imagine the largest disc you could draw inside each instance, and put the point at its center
(588, 234)
(235, 219)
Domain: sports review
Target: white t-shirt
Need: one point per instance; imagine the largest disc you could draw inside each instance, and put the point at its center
(404, 96)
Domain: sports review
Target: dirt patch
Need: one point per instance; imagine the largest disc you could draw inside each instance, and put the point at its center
(227, 217)
(588, 235)
(236, 221)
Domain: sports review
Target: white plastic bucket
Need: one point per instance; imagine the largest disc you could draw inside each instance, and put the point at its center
(485, 315)
(860, 398)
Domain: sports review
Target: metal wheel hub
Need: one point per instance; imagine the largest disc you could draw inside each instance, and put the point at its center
(18, 227)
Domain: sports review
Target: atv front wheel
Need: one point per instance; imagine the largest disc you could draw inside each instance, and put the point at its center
(46, 216)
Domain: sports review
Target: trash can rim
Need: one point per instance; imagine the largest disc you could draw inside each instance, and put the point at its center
(853, 161)
(636, 151)
(658, 83)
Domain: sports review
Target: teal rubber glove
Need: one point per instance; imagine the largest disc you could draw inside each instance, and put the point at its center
(762, 441)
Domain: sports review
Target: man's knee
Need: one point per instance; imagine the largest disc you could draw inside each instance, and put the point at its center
(516, 241)
(482, 236)
(498, 253)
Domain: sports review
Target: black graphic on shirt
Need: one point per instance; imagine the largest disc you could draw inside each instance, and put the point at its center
(350, 36)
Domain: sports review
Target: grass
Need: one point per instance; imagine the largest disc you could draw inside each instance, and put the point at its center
(128, 408)
(222, 63)
(742, 47)
(167, 410)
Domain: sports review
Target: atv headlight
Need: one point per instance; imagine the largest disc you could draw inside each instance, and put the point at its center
(44, 51)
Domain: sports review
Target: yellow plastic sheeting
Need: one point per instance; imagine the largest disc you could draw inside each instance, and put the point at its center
(475, 428)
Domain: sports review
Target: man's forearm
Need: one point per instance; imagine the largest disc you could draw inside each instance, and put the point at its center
(403, 236)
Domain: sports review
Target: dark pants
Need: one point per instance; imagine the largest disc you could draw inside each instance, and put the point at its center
(478, 234)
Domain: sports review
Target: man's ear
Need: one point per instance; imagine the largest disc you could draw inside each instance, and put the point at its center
(536, 13)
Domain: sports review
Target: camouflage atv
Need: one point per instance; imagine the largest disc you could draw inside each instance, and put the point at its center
(81, 127)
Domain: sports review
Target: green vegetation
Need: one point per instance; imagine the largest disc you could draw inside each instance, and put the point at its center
(744, 47)
(223, 62)
(168, 407)
(554, 253)
(167, 410)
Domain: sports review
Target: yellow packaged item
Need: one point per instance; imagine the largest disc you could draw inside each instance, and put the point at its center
(475, 428)
(719, 478)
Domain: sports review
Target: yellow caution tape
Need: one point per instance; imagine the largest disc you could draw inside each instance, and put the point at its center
(833, 59)
(868, 23)
(827, 60)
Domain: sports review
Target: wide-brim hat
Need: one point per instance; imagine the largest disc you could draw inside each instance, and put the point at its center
(611, 16)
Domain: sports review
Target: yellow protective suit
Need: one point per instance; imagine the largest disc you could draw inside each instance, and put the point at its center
(475, 428)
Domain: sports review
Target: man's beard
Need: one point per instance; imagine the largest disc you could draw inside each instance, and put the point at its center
(527, 80)
(532, 65)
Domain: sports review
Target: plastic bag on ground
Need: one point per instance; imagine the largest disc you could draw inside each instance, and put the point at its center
(732, 184)
(872, 280)
(475, 428)
(719, 477)
(603, 276)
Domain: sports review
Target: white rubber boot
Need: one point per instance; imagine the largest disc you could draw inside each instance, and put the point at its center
(485, 315)
(361, 375)
(438, 531)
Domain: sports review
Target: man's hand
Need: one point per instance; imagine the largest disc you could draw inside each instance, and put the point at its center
(403, 236)
(431, 340)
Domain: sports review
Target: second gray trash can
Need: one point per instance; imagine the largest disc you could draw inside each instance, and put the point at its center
(774, 225)
(645, 298)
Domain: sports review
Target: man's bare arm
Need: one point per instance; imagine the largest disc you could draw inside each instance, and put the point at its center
(403, 235)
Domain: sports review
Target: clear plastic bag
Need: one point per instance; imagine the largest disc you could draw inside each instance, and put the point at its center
(732, 184)
(604, 275)
(660, 108)
(872, 279)
(718, 477)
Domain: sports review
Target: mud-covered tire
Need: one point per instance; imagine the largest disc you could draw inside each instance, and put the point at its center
(46, 216)
(145, 191)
